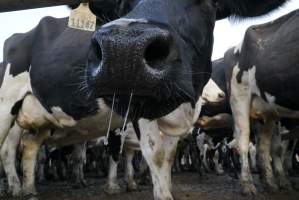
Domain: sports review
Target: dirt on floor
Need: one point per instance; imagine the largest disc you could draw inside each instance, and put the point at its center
(186, 186)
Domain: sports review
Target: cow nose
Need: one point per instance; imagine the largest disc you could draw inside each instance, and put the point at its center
(157, 52)
(138, 56)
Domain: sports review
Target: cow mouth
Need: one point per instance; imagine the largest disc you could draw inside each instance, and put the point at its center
(143, 106)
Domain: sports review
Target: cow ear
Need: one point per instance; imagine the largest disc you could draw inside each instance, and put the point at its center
(245, 8)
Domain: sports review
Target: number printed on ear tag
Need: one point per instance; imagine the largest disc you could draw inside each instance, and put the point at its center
(82, 18)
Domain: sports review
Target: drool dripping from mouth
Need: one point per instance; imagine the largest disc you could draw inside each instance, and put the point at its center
(123, 133)
(110, 119)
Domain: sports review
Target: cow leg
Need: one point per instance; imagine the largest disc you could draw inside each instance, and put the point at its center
(112, 186)
(2, 184)
(218, 166)
(79, 158)
(129, 173)
(32, 144)
(8, 156)
(277, 154)
(288, 158)
(205, 159)
(159, 152)
(264, 149)
(240, 100)
(252, 156)
(41, 164)
(144, 173)
(6, 120)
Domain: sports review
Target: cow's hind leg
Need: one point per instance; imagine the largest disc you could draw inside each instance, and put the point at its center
(8, 157)
(112, 186)
(32, 143)
(129, 174)
(264, 154)
(79, 158)
(277, 154)
(240, 101)
(159, 152)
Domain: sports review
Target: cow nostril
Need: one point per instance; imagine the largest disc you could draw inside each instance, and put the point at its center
(156, 52)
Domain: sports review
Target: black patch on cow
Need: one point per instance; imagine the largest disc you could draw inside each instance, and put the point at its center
(16, 107)
(56, 56)
(114, 144)
(136, 128)
(276, 60)
(2, 72)
(246, 8)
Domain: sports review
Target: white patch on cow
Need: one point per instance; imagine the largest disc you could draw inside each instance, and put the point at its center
(62, 117)
(270, 99)
(129, 172)
(124, 22)
(13, 89)
(112, 183)
(88, 128)
(238, 48)
(212, 93)
(252, 156)
(232, 144)
(178, 122)
(8, 157)
(159, 153)
(11, 85)
(297, 158)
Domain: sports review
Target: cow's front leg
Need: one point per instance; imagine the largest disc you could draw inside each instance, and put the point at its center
(129, 175)
(112, 186)
(32, 143)
(8, 157)
(240, 100)
(79, 158)
(159, 152)
(277, 154)
(264, 156)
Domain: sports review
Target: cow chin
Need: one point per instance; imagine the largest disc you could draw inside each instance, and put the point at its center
(143, 106)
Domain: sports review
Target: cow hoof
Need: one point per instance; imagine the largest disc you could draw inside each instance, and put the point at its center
(29, 192)
(164, 198)
(16, 192)
(83, 183)
(30, 197)
(2, 193)
(114, 189)
(220, 172)
(132, 187)
(285, 184)
(272, 188)
(249, 189)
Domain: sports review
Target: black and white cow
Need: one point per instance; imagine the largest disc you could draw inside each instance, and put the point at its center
(263, 85)
(159, 54)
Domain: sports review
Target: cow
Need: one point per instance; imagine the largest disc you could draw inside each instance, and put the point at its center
(155, 60)
(263, 86)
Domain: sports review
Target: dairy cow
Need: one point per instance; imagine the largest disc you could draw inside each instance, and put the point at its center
(263, 79)
(155, 60)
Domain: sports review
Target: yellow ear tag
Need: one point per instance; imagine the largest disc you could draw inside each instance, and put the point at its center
(82, 18)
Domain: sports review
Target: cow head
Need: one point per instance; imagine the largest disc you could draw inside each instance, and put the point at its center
(155, 52)
(159, 52)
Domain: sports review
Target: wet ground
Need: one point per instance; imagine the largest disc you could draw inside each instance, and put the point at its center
(187, 186)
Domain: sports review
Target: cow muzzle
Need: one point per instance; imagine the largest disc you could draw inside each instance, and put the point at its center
(135, 59)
